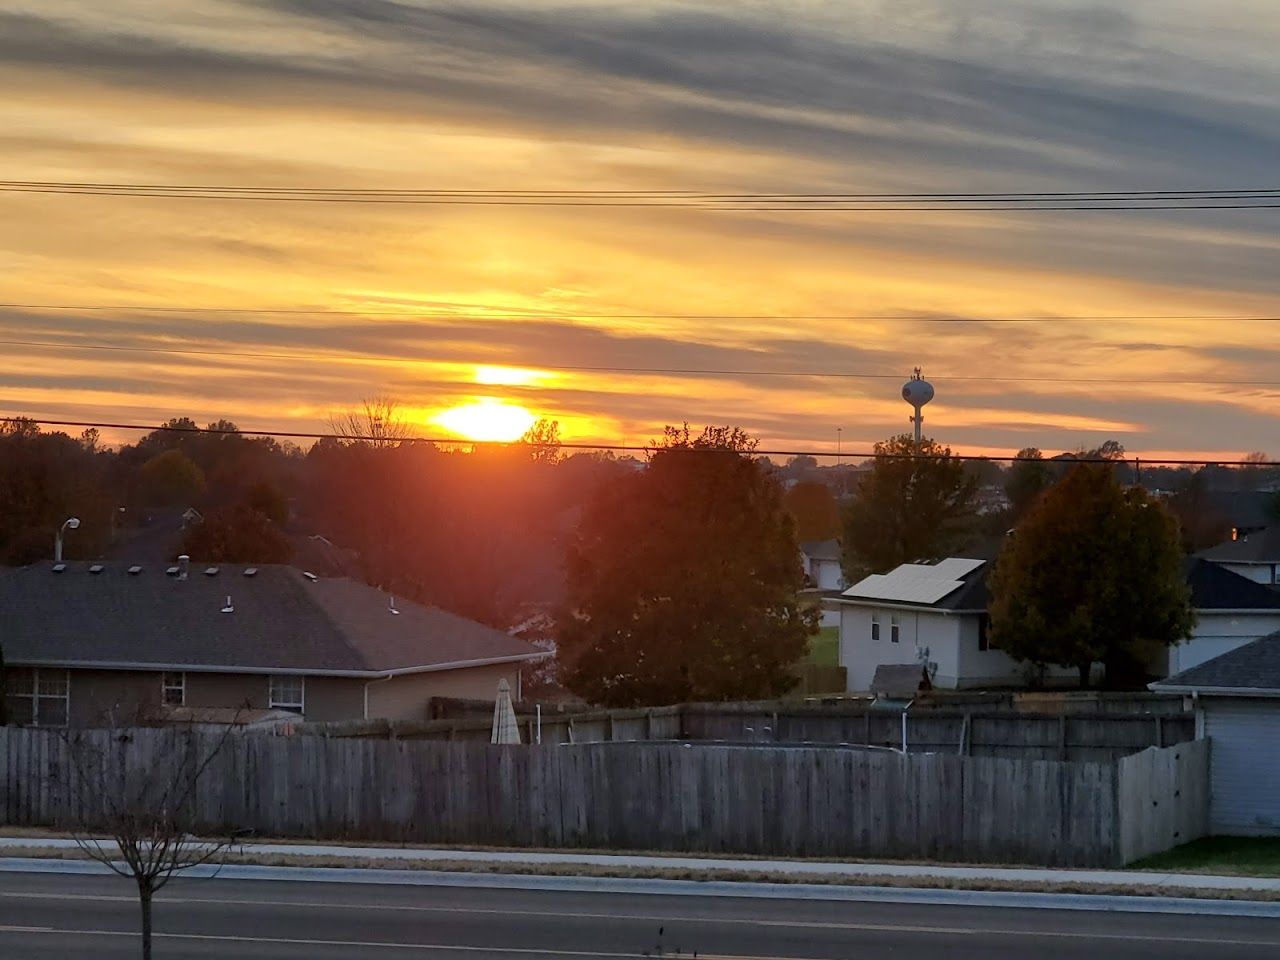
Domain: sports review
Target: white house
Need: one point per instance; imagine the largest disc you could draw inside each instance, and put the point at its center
(1255, 555)
(1237, 698)
(936, 614)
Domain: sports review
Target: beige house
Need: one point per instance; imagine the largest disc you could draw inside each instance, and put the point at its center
(84, 643)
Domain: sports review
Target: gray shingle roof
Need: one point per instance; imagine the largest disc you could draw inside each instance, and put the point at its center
(281, 621)
(1261, 546)
(1253, 667)
(1214, 587)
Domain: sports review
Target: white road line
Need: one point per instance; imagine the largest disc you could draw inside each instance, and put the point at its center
(670, 919)
(379, 944)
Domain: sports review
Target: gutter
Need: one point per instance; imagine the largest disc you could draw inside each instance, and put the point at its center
(274, 671)
(882, 604)
(1198, 691)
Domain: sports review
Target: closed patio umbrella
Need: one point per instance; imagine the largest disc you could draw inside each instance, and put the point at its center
(505, 729)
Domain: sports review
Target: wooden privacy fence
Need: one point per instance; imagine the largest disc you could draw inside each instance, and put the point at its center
(781, 801)
(1021, 736)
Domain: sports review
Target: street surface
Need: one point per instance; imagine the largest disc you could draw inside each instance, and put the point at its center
(48, 916)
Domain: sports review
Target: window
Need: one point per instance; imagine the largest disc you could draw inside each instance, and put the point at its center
(287, 693)
(37, 697)
(174, 689)
(895, 631)
(875, 629)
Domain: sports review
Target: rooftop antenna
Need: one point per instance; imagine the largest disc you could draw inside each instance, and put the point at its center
(917, 391)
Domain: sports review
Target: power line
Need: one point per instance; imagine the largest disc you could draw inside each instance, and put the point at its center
(628, 448)
(535, 313)
(650, 371)
(746, 202)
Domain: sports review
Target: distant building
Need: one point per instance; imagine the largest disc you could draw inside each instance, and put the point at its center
(824, 574)
(936, 614)
(83, 641)
(1250, 553)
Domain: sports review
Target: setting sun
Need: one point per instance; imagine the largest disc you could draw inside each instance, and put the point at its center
(486, 419)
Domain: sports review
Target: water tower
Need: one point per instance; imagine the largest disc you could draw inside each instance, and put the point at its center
(917, 391)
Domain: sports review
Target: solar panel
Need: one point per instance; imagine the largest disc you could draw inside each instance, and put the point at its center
(923, 583)
(953, 568)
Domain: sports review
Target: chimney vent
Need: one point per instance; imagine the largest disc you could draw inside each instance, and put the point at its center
(229, 607)
(184, 567)
(251, 572)
(134, 571)
(211, 571)
(59, 567)
(392, 606)
(96, 568)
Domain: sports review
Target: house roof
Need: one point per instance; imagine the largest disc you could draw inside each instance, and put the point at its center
(1253, 669)
(1214, 587)
(1261, 546)
(281, 621)
(953, 584)
(821, 549)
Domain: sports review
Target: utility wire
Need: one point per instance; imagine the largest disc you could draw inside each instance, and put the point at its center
(630, 448)
(747, 202)
(646, 371)
(506, 312)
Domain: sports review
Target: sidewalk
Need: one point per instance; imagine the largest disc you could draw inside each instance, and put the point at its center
(1172, 882)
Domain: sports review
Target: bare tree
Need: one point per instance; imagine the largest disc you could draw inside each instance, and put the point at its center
(140, 820)
(380, 422)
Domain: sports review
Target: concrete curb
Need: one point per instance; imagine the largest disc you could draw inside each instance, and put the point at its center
(695, 888)
(1172, 882)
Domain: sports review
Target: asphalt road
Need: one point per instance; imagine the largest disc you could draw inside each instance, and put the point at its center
(75, 916)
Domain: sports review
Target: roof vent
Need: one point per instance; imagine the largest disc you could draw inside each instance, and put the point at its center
(172, 572)
(96, 568)
(184, 566)
(392, 606)
(211, 571)
(310, 576)
(134, 571)
(229, 607)
(251, 572)
(59, 567)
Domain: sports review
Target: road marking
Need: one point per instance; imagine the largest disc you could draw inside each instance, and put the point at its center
(382, 944)
(668, 919)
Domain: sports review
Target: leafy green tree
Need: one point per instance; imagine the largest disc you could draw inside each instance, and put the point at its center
(237, 535)
(170, 479)
(683, 580)
(1094, 572)
(814, 509)
(913, 505)
(1028, 477)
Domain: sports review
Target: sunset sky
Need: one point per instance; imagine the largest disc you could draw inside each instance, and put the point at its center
(446, 306)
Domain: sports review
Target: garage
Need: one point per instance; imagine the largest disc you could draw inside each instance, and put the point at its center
(1237, 698)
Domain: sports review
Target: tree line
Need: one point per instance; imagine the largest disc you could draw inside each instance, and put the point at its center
(672, 577)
